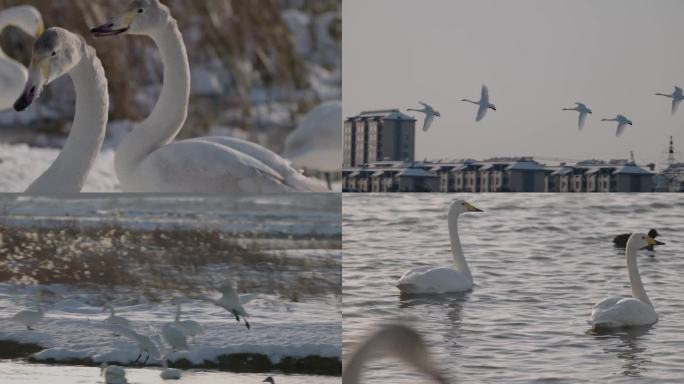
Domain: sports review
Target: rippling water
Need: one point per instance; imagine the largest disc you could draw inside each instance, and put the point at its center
(540, 262)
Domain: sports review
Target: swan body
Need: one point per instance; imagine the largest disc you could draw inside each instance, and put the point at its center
(149, 161)
(425, 280)
(113, 374)
(13, 75)
(174, 338)
(269, 380)
(171, 374)
(430, 114)
(230, 301)
(187, 327)
(618, 312)
(484, 104)
(393, 341)
(113, 319)
(146, 346)
(316, 144)
(622, 123)
(29, 318)
(58, 52)
(677, 96)
(583, 112)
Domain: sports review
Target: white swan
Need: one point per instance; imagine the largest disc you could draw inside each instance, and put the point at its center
(583, 112)
(113, 374)
(617, 312)
(113, 319)
(29, 318)
(58, 52)
(149, 161)
(145, 343)
(622, 123)
(430, 114)
(316, 144)
(188, 327)
(166, 373)
(442, 279)
(13, 75)
(230, 301)
(483, 104)
(677, 96)
(174, 338)
(395, 341)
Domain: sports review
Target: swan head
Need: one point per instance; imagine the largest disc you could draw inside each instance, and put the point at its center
(492, 106)
(142, 17)
(226, 286)
(27, 18)
(55, 53)
(438, 114)
(269, 380)
(640, 241)
(458, 207)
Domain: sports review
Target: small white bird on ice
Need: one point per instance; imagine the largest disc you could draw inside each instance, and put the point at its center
(622, 123)
(583, 112)
(677, 96)
(113, 374)
(231, 302)
(430, 114)
(483, 104)
(29, 318)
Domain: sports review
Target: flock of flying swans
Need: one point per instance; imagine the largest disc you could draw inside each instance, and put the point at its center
(148, 159)
(484, 105)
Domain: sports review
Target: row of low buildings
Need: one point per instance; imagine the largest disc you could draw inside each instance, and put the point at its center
(499, 175)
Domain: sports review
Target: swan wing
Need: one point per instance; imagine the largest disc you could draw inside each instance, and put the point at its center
(615, 312)
(317, 141)
(620, 128)
(434, 280)
(675, 105)
(292, 177)
(484, 97)
(429, 118)
(481, 112)
(196, 166)
(13, 77)
(582, 119)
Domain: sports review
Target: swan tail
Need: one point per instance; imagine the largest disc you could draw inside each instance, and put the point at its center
(301, 183)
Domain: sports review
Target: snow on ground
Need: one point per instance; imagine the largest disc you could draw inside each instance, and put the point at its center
(21, 164)
(73, 326)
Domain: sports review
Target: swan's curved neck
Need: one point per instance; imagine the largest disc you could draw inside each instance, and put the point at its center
(471, 101)
(171, 110)
(352, 369)
(456, 249)
(638, 291)
(70, 170)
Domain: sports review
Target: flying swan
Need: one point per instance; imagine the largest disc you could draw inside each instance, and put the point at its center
(58, 52)
(483, 104)
(677, 96)
(230, 301)
(395, 341)
(442, 279)
(583, 112)
(622, 123)
(618, 312)
(13, 75)
(430, 114)
(148, 160)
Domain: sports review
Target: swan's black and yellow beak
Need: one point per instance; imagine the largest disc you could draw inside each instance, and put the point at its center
(116, 26)
(39, 75)
(651, 241)
(472, 208)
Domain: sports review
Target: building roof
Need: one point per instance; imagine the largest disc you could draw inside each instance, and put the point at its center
(525, 165)
(631, 169)
(416, 172)
(386, 114)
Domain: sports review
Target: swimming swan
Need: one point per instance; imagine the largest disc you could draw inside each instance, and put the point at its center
(617, 312)
(622, 123)
(316, 144)
(484, 104)
(396, 341)
(13, 75)
(149, 161)
(442, 279)
(58, 52)
(677, 96)
(430, 114)
(583, 112)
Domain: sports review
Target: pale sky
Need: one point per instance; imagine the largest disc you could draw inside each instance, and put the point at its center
(537, 57)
